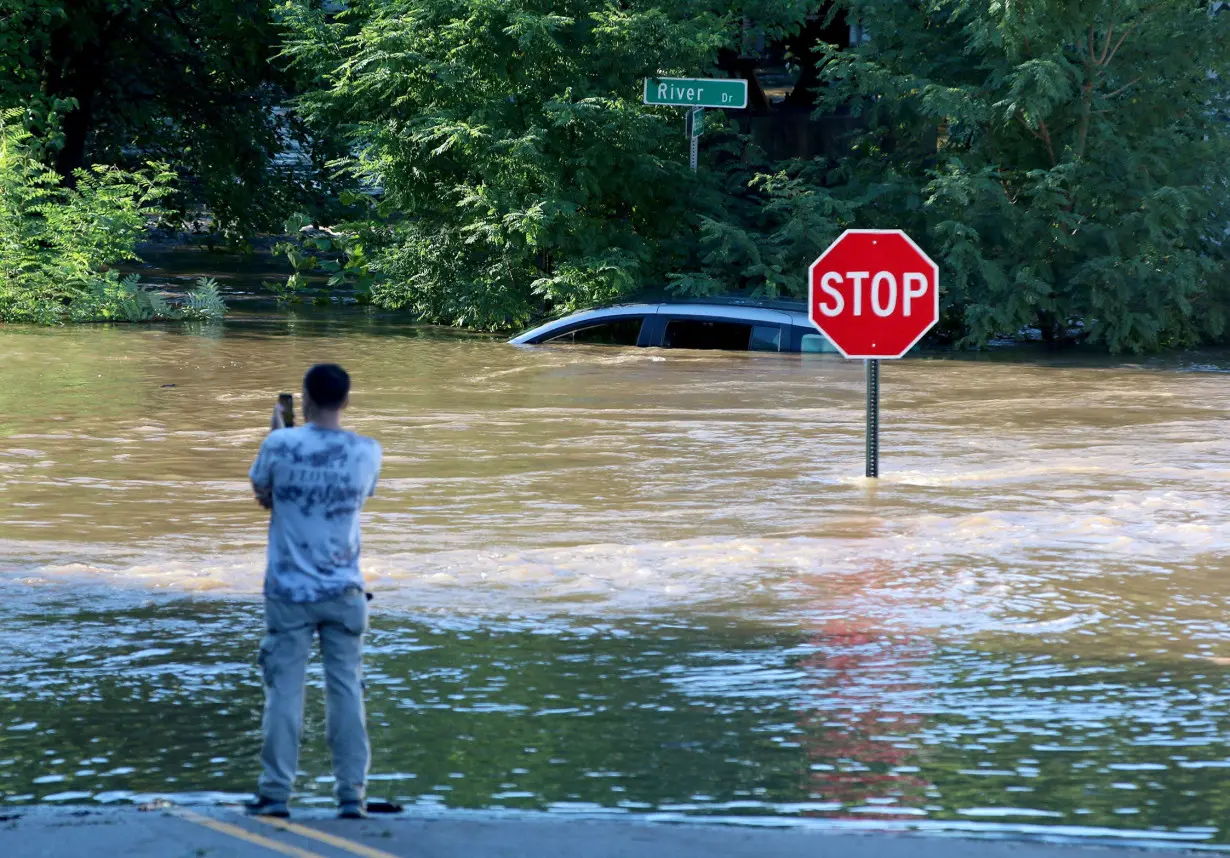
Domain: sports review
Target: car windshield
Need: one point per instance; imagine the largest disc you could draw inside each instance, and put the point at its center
(705, 334)
(608, 332)
(721, 334)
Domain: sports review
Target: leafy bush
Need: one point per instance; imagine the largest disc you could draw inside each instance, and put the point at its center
(342, 256)
(1066, 164)
(518, 169)
(204, 303)
(763, 242)
(189, 82)
(58, 244)
(110, 298)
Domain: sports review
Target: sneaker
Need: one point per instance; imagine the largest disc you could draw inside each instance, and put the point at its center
(266, 806)
(384, 807)
(351, 810)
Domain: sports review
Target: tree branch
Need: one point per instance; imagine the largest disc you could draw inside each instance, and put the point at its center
(1124, 88)
(1119, 43)
(1086, 117)
(1110, 32)
(1046, 138)
(1042, 133)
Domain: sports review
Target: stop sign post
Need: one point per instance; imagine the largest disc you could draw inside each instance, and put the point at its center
(874, 293)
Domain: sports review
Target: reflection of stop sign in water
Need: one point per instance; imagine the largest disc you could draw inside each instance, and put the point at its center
(874, 293)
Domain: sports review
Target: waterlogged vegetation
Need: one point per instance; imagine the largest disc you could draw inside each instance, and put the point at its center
(59, 243)
(485, 163)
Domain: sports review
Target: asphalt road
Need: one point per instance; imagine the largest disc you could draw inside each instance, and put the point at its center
(223, 833)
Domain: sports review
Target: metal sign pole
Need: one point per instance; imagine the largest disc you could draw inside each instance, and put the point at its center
(695, 94)
(836, 295)
(873, 419)
(695, 126)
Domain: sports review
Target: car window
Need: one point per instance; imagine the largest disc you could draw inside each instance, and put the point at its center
(766, 338)
(614, 332)
(706, 334)
(812, 343)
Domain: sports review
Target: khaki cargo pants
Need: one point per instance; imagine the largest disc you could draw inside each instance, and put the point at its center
(284, 653)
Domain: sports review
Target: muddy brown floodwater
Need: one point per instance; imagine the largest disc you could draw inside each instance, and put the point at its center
(635, 581)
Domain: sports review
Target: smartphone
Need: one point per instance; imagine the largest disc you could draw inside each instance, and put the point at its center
(286, 402)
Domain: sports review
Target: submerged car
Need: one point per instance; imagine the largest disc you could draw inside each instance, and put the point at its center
(734, 325)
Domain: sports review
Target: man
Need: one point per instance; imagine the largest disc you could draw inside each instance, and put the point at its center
(315, 479)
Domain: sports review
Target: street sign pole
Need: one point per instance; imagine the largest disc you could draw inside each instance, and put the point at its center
(873, 419)
(696, 94)
(874, 293)
(695, 127)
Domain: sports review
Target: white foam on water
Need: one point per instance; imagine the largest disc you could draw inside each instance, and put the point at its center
(1031, 501)
(954, 575)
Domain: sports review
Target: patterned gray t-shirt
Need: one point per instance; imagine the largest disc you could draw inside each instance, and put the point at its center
(320, 479)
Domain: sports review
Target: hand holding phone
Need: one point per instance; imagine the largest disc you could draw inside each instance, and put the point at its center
(283, 412)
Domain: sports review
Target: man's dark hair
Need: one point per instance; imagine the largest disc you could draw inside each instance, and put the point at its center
(327, 384)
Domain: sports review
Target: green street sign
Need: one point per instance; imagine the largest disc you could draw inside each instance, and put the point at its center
(696, 92)
(694, 122)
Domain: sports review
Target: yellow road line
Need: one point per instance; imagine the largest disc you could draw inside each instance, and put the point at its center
(324, 837)
(243, 834)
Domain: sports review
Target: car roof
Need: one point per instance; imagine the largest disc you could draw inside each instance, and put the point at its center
(777, 312)
(740, 301)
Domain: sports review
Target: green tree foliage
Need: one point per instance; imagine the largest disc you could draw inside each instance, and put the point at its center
(188, 82)
(771, 228)
(58, 244)
(1066, 163)
(518, 170)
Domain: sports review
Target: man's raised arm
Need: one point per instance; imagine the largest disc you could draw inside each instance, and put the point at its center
(261, 473)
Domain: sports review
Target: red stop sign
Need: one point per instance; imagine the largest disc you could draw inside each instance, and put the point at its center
(874, 293)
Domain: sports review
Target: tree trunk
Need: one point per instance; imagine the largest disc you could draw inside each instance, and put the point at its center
(77, 124)
(1049, 325)
(73, 71)
(814, 30)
